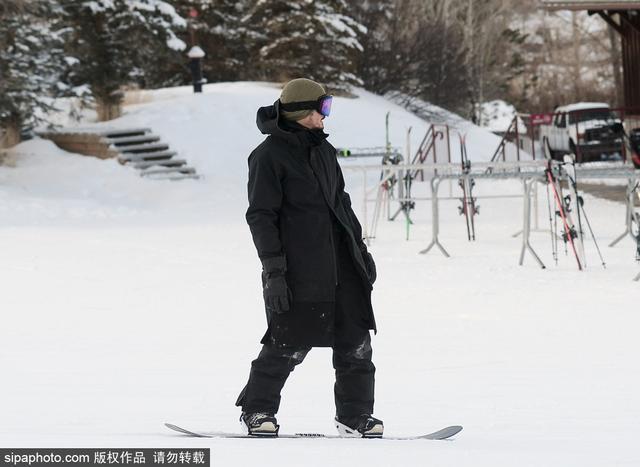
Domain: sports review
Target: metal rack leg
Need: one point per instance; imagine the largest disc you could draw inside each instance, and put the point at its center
(631, 188)
(435, 183)
(526, 229)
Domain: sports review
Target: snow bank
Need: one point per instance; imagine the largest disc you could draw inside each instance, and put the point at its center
(498, 115)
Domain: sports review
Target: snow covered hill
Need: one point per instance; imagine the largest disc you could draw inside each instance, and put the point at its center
(214, 132)
(129, 302)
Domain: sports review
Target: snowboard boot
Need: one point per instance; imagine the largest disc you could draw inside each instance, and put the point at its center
(259, 424)
(359, 426)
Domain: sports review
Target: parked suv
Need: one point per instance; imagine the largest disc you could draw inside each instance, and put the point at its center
(588, 129)
(634, 145)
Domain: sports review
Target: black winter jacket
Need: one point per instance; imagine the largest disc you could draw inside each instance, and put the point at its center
(296, 203)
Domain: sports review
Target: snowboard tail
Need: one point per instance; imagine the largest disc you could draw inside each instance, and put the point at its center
(442, 434)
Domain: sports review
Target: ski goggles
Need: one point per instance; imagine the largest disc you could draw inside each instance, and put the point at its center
(322, 105)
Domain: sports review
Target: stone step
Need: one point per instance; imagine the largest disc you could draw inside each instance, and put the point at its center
(162, 163)
(142, 148)
(146, 156)
(121, 133)
(173, 177)
(176, 170)
(127, 140)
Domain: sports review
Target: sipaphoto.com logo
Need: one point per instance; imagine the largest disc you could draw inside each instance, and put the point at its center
(33, 458)
(102, 457)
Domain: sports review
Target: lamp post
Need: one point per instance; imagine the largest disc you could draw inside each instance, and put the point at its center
(195, 55)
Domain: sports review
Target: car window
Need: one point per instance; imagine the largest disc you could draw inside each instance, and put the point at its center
(562, 120)
(556, 119)
(590, 114)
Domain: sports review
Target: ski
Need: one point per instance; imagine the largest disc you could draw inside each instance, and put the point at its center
(468, 207)
(442, 434)
(569, 229)
(573, 202)
(576, 200)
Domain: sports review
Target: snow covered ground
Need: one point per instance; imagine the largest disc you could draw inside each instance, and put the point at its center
(127, 303)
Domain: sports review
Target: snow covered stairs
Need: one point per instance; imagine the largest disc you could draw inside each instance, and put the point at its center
(141, 149)
(135, 147)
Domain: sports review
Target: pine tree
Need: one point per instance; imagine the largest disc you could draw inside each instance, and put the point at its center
(305, 38)
(216, 26)
(413, 50)
(32, 61)
(119, 42)
(373, 66)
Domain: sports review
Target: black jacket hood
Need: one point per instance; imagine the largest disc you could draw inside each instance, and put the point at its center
(269, 123)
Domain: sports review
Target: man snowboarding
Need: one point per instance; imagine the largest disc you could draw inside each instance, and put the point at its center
(317, 274)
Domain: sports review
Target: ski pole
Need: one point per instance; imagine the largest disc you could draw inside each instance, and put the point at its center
(586, 219)
(552, 231)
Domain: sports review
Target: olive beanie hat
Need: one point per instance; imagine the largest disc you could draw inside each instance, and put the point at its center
(300, 90)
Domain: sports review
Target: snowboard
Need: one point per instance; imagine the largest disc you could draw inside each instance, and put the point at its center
(444, 433)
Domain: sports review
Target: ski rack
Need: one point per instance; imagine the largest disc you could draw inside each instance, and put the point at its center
(632, 188)
(427, 149)
(380, 152)
(529, 172)
(611, 170)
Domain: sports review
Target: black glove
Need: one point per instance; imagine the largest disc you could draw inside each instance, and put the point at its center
(369, 264)
(274, 285)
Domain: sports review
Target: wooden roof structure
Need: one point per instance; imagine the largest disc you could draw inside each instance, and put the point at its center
(624, 17)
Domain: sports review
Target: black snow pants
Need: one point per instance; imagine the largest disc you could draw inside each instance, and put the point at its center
(354, 370)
